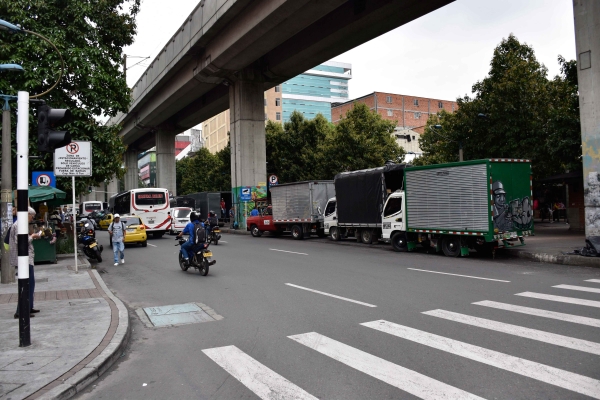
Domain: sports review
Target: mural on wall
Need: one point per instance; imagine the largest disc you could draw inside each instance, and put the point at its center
(516, 214)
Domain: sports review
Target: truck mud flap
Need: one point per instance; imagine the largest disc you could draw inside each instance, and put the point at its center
(411, 246)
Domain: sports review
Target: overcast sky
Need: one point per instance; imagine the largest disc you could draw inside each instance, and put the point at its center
(440, 55)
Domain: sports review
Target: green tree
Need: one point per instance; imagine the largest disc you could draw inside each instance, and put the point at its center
(90, 35)
(293, 148)
(516, 112)
(361, 140)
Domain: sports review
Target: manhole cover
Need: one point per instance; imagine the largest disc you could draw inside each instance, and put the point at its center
(180, 314)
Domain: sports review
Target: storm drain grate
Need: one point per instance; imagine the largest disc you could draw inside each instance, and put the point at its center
(178, 314)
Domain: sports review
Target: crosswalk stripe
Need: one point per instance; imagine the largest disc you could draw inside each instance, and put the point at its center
(554, 376)
(533, 334)
(562, 299)
(403, 378)
(541, 313)
(580, 288)
(264, 382)
(593, 280)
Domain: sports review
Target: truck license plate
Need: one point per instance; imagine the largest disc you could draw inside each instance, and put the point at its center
(93, 245)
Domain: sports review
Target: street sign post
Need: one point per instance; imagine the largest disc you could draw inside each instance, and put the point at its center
(246, 193)
(74, 159)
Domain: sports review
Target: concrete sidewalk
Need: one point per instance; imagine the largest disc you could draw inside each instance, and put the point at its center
(550, 243)
(80, 331)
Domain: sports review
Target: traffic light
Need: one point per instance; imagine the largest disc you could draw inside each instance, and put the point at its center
(49, 119)
(89, 189)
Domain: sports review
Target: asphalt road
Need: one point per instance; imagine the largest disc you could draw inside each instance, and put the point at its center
(424, 339)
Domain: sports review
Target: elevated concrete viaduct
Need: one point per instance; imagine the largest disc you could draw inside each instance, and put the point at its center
(226, 53)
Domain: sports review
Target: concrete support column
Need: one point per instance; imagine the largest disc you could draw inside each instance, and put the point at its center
(131, 166)
(587, 34)
(247, 137)
(112, 188)
(165, 160)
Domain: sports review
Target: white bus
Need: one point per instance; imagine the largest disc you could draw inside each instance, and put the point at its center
(150, 204)
(89, 206)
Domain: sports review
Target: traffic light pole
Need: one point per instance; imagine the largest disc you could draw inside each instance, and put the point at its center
(23, 217)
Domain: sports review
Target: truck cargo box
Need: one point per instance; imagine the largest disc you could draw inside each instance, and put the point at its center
(361, 194)
(300, 201)
(485, 197)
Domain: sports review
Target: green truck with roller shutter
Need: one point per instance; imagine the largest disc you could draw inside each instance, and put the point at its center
(453, 207)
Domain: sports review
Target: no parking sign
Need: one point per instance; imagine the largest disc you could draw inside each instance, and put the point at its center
(43, 178)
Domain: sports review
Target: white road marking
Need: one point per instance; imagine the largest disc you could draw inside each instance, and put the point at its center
(331, 295)
(593, 280)
(285, 251)
(541, 313)
(464, 276)
(562, 299)
(264, 382)
(544, 373)
(152, 245)
(403, 378)
(533, 334)
(580, 288)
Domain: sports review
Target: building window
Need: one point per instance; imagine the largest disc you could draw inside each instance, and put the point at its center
(278, 102)
(440, 105)
(413, 137)
(265, 102)
(390, 113)
(278, 116)
(416, 102)
(388, 99)
(417, 115)
(277, 89)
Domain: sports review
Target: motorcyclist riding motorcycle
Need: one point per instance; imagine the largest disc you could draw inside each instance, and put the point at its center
(189, 230)
(211, 222)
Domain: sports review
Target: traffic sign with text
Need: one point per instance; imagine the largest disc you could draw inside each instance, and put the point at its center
(74, 159)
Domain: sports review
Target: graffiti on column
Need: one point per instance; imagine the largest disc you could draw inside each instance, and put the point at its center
(508, 216)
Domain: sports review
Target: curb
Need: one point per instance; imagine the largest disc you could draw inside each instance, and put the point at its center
(103, 361)
(563, 259)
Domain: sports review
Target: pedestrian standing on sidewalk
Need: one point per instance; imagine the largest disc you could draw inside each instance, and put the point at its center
(14, 256)
(117, 233)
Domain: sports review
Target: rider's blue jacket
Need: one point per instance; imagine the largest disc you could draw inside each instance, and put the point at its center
(190, 229)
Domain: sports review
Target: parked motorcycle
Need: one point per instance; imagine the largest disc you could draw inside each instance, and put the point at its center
(90, 247)
(200, 258)
(214, 235)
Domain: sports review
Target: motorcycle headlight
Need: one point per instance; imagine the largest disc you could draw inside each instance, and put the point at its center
(87, 225)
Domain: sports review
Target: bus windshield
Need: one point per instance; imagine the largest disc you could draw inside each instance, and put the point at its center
(150, 198)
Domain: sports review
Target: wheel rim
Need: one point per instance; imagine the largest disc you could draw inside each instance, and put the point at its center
(255, 231)
(366, 236)
(295, 232)
(334, 233)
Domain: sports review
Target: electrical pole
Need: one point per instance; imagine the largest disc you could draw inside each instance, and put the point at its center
(8, 272)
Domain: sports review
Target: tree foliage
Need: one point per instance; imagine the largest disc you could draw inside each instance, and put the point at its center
(90, 36)
(304, 149)
(516, 112)
(204, 172)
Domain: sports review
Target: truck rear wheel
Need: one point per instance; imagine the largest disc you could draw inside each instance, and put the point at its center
(366, 236)
(297, 232)
(399, 241)
(451, 246)
(335, 233)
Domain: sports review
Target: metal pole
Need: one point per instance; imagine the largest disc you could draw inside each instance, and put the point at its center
(8, 272)
(23, 216)
(73, 224)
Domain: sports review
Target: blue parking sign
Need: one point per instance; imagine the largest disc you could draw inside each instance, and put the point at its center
(245, 193)
(43, 178)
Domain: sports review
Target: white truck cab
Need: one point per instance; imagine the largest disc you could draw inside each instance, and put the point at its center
(330, 217)
(394, 215)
